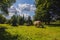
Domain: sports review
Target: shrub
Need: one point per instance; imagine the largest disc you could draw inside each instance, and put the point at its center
(2, 19)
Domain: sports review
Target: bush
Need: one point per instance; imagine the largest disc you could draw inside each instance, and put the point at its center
(2, 19)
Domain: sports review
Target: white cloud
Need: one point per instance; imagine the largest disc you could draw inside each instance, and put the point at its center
(11, 14)
(21, 8)
(26, 15)
(33, 8)
(26, 7)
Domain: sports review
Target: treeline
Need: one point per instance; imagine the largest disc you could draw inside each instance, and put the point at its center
(16, 20)
(47, 10)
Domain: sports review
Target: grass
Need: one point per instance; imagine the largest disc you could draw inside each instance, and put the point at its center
(33, 33)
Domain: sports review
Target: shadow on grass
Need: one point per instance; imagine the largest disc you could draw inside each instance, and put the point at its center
(5, 35)
(54, 25)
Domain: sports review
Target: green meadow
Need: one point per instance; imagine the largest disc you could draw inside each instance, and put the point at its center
(30, 32)
(29, 19)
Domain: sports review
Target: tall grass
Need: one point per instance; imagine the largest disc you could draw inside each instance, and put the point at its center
(33, 33)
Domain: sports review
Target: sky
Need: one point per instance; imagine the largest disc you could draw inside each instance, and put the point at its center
(24, 1)
(26, 7)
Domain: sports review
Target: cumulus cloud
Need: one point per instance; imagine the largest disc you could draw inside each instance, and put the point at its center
(33, 8)
(26, 7)
(21, 8)
(12, 9)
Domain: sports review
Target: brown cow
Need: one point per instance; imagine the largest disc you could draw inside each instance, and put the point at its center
(38, 24)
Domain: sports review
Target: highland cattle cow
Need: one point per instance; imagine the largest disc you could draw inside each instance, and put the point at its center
(38, 24)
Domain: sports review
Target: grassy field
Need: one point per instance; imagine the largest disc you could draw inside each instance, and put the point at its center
(32, 33)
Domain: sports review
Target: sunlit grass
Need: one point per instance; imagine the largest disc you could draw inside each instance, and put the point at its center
(33, 33)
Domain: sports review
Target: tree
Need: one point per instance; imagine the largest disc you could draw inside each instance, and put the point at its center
(21, 20)
(8, 21)
(42, 7)
(5, 4)
(14, 20)
(29, 21)
(2, 19)
(45, 9)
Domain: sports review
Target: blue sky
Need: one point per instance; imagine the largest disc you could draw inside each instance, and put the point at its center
(31, 2)
(25, 1)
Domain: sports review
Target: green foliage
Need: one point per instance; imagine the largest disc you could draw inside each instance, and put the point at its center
(44, 7)
(14, 20)
(2, 19)
(21, 20)
(5, 4)
(29, 21)
(8, 21)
